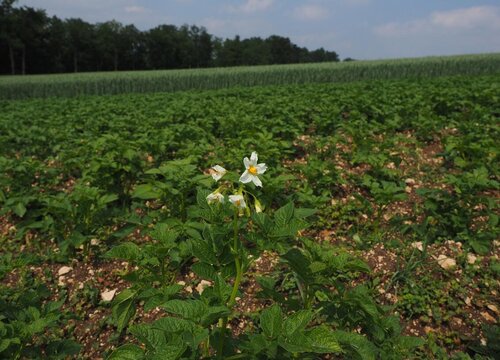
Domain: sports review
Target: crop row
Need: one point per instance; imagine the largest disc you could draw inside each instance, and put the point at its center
(127, 177)
(69, 85)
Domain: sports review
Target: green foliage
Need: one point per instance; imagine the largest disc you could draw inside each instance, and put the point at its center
(175, 80)
(126, 177)
(29, 325)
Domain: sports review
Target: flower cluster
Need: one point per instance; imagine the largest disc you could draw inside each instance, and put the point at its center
(251, 174)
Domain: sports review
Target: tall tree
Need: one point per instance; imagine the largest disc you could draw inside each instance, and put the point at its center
(80, 38)
(30, 24)
(8, 33)
(110, 43)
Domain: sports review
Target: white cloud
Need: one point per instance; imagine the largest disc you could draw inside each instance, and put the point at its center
(458, 20)
(310, 12)
(467, 18)
(251, 6)
(135, 9)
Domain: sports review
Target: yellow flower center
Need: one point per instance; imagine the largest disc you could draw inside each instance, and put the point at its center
(252, 170)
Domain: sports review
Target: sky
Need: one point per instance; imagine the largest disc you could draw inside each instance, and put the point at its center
(360, 29)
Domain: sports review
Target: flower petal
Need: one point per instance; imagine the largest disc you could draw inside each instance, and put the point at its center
(245, 177)
(246, 162)
(256, 181)
(261, 168)
(238, 201)
(254, 158)
(217, 172)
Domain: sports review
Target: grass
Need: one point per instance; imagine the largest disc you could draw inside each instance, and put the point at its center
(103, 83)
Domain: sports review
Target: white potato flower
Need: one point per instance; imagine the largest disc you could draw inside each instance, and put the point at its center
(238, 201)
(252, 170)
(217, 172)
(215, 197)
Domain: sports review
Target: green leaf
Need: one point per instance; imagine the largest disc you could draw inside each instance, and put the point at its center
(323, 340)
(213, 313)
(188, 309)
(146, 192)
(173, 325)
(19, 209)
(204, 252)
(299, 264)
(106, 199)
(283, 215)
(171, 352)
(154, 339)
(271, 320)
(297, 322)
(480, 245)
(357, 344)
(126, 251)
(204, 271)
(295, 342)
(123, 308)
(409, 343)
(127, 352)
(62, 348)
(304, 212)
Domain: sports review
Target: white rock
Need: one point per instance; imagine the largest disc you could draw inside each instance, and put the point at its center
(410, 181)
(445, 262)
(488, 317)
(108, 295)
(64, 270)
(202, 285)
(418, 245)
(493, 308)
(471, 258)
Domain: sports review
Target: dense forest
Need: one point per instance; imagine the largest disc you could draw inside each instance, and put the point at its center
(31, 42)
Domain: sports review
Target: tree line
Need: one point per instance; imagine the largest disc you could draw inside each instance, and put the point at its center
(31, 42)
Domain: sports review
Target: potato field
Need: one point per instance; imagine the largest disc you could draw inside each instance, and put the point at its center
(275, 219)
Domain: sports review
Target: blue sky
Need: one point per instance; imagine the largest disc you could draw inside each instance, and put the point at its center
(362, 29)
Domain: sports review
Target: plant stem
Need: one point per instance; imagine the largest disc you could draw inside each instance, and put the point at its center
(234, 292)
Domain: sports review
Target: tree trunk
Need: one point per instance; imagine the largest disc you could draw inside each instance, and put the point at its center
(116, 60)
(75, 61)
(23, 63)
(12, 60)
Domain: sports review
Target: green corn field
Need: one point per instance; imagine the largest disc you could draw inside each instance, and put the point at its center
(104, 83)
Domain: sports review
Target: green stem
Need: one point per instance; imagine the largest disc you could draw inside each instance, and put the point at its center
(232, 299)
